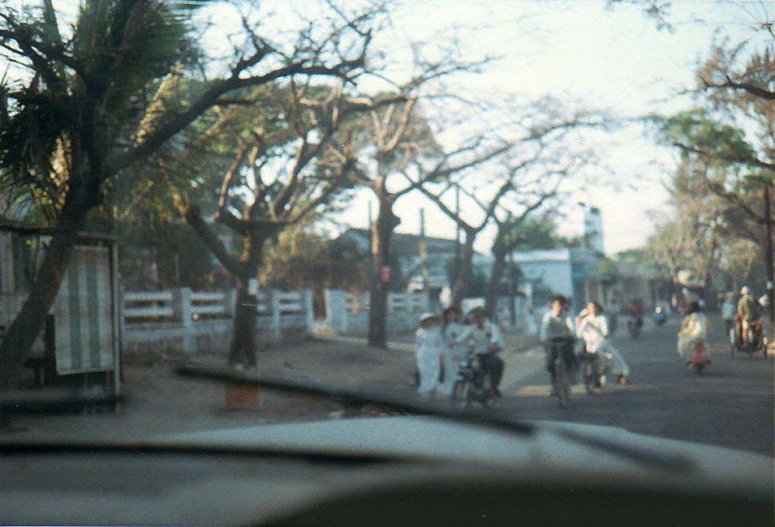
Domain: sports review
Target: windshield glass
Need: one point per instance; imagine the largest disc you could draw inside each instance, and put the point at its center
(554, 211)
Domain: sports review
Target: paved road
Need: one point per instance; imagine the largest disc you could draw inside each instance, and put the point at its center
(731, 405)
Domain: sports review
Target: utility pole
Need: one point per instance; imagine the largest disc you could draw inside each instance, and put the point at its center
(423, 249)
(512, 290)
(370, 228)
(457, 232)
(768, 252)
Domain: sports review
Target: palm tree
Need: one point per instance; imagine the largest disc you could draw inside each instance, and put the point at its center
(89, 105)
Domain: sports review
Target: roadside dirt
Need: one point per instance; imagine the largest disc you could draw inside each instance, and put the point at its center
(156, 400)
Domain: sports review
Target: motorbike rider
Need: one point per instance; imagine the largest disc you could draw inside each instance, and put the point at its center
(748, 313)
(487, 343)
(592, 327)
(456, 334)
(694, 328)
(556, 324)
(635, 310)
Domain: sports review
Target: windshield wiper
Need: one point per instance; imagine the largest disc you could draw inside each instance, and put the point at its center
(490, 418)
(359, 396)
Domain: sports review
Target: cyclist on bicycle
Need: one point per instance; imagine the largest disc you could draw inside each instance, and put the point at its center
(556, 325)
(592, 327)
(749, 314)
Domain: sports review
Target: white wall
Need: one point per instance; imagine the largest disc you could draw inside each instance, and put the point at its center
(552, 275)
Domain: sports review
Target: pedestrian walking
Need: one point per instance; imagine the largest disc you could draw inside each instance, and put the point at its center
(429, 346)
(728, 312)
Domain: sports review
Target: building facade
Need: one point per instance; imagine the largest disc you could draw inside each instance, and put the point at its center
(572, 272)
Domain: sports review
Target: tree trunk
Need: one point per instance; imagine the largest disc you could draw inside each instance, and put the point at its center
(494, 285)
(381, 232)
(242, 351)
(465, 272)
(30, 320)
(243, 341)
(768, 252)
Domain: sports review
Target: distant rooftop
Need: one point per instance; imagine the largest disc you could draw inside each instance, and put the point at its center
(402, 243)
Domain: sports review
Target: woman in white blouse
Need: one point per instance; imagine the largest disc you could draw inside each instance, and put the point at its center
(592, 326)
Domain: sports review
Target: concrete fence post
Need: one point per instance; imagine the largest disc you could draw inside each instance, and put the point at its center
(181, 303)
(336, 310)
(309, 310)
(230, 302)
(121, 318)
(274, 302)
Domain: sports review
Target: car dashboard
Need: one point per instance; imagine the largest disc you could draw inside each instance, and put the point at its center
(435, 473)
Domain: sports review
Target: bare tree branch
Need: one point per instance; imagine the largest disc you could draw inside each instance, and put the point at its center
(753, 89)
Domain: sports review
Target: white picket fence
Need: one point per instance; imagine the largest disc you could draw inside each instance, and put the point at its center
(191, 321)
(348, 313)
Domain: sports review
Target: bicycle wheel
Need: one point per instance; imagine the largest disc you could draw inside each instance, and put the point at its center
(589, 373)
(460, 393)
(562, 382)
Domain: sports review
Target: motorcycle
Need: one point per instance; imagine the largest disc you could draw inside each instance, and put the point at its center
(472, 384)
(757, 339)
(634, 325)
(659, 316)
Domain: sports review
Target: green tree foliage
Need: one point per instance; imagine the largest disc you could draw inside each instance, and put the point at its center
(75, 97)
(179, 256)
(83, 108)
(609, 271)
(696, 133)
(301, 258)
(716, 192)
(285, 169)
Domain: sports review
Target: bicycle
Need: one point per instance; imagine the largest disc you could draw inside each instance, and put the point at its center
(561, 381)
(594, 368)
(558, 347)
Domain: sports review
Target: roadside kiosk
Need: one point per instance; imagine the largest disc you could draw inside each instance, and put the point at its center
(79, 348)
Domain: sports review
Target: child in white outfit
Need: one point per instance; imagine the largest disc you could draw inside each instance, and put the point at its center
(429, 345)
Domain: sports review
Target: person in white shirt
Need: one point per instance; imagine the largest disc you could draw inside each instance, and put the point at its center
(429, 345)
(592, 327)
(456, 337)
(728, 312)
(694, 328)
(555, 324)
(487, 343)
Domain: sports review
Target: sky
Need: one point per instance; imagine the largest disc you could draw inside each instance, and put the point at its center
(577, 50)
